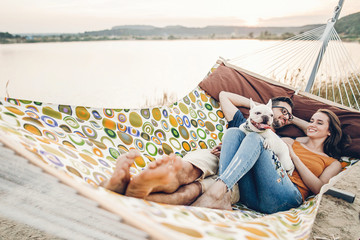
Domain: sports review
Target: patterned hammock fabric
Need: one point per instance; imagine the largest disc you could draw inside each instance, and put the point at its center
(85, 142)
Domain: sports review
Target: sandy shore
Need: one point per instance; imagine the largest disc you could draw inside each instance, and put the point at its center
(17, 231)
(336, 218)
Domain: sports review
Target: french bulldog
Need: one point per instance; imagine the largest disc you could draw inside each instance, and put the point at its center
(260, 120)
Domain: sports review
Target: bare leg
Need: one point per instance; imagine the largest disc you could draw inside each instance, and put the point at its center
(121, 176)
(159, 173)
(185, 195)
(186, 174)
(216, 197)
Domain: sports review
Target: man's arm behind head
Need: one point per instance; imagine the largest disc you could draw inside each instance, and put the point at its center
(229, 103)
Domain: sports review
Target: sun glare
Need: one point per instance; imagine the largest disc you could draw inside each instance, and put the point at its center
(251, 22)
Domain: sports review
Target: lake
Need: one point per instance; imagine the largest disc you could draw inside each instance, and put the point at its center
(116, 74)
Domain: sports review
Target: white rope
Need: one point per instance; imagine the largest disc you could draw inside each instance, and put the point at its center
(332, 67)
(311, 60)
(350, 73)
(343, 77)
(282, 55)
(342, 74)
(303, 36)
(291, 62)
(299, 47)
(332, 50)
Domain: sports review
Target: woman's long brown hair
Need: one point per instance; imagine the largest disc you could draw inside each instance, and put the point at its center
(337, 141)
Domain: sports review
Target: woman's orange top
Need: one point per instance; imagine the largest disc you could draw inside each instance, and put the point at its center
(316, 163)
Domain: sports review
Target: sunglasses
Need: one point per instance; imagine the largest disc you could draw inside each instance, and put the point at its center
(285, 112)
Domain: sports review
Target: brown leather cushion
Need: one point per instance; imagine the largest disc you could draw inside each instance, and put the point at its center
(230, 80)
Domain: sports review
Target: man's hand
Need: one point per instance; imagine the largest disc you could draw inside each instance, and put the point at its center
(216, 150)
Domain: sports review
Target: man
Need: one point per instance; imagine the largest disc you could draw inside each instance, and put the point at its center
(282, 109)
(173, 180)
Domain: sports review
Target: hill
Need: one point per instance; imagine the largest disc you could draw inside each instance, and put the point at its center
(348, 27)
(145, 31)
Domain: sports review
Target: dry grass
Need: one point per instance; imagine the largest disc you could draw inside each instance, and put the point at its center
(345, 91)
(7, 88)
(165, 99)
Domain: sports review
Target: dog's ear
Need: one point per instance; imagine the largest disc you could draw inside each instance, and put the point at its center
(252, 104)
(269, 104)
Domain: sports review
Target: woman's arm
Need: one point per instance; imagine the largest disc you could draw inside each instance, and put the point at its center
(311, 181)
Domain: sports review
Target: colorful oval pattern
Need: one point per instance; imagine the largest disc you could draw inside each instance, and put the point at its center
(86, 142)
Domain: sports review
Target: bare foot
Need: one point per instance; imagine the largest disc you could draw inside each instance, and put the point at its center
(186, 174)
(159, 173)
(185, 195)
(216, 197)
(121, 176)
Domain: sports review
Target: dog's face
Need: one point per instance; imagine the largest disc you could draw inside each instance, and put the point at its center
(260, 116)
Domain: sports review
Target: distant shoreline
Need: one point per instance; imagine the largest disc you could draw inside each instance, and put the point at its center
(87, 39)
(347, 28)
(70, 38)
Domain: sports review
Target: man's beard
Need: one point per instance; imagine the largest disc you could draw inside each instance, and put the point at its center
(276, 124)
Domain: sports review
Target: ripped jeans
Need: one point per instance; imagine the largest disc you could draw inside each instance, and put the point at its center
(264, 186)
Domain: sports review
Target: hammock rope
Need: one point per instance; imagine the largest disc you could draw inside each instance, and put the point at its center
(341, 51)
(291, 62)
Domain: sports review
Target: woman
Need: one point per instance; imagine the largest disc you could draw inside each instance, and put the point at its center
(263, 185)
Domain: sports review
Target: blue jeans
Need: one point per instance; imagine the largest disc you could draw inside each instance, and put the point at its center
(263, 185)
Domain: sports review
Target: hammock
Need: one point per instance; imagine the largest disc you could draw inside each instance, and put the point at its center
(79, 145)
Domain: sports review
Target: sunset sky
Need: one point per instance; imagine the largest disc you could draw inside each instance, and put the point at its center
(72, 16)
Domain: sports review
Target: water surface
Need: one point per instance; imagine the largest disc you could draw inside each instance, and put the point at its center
(118, 74)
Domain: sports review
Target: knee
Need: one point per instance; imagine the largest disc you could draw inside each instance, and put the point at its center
(233, 133)
(255, 137)
(233, 130)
